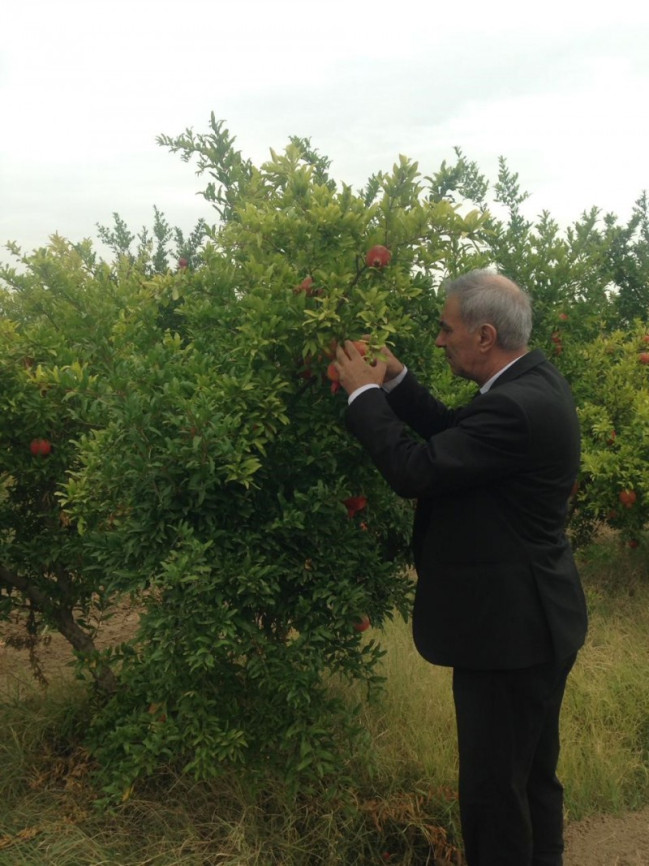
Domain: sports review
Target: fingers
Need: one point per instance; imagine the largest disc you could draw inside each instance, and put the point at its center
(355, 350)
(349, 350)
(352, 349)
(387, 355)
(353, 369)
(341, 354)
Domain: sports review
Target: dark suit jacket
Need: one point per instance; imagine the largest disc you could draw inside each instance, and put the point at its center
(497, 584)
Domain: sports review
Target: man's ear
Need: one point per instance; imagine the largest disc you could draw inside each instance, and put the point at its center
(488, 337)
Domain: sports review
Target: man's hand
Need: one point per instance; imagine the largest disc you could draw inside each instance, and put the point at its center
(393, 365)
(354, 371)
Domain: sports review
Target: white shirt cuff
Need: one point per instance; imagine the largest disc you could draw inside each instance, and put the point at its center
(392, 384)
(387, 386)
(360, 390)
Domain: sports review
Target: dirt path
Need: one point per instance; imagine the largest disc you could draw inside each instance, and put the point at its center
(608, 841)
(598, 841)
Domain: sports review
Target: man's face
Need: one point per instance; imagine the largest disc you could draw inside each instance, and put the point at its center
(460, 345)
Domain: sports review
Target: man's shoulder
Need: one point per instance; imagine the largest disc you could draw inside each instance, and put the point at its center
(527, 363)
(532, 373)
(539, 391)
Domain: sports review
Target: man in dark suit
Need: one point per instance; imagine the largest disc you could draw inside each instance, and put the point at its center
(498, 595)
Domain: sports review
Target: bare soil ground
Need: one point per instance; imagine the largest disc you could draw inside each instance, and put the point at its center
(605, 840)
(602, 840)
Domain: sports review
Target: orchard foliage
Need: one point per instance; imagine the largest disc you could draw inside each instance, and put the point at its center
(157, 250)
(613, 398)
(55, 341)
(202, 466)
(199, 465)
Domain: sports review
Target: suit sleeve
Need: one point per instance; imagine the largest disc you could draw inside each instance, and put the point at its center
(486, 441)
(413, 404)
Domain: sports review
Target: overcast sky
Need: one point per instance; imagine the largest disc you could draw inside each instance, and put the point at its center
(561, 89)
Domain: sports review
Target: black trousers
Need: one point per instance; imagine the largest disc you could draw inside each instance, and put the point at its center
(511, 802)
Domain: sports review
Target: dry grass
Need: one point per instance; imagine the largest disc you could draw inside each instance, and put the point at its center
(402, 803)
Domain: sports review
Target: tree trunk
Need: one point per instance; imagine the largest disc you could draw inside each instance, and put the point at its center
(63, 619)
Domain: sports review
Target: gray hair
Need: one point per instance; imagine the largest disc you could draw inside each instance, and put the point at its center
(489, 298)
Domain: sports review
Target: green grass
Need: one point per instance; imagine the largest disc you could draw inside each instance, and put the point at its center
(605, 757)
(403, 795)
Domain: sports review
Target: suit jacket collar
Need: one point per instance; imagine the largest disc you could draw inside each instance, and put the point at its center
(521, 366)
